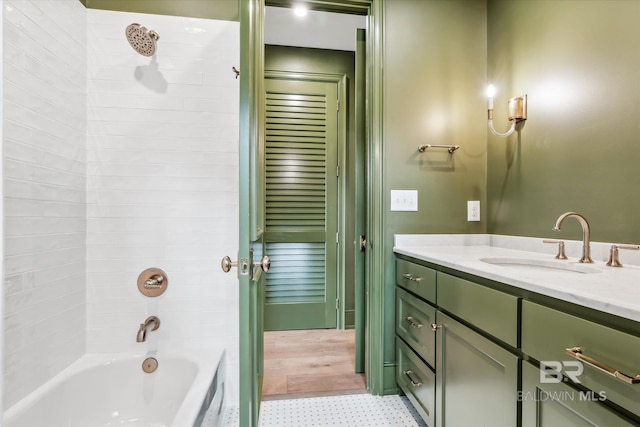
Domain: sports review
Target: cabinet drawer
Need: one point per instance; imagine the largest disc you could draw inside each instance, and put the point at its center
(417, 381)
(416, 278)
(557, 404)
(548, 333)
(492, 311)
(413, 324)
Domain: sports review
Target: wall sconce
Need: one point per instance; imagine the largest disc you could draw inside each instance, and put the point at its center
(517, 111)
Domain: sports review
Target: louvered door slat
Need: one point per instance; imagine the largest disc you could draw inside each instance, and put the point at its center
(306, 143)
(299, 267)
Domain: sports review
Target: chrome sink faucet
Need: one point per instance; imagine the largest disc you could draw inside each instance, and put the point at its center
(586, 233)
(152, 323)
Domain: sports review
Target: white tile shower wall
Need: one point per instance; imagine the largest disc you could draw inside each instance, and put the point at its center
(44, 177)
(162, 183)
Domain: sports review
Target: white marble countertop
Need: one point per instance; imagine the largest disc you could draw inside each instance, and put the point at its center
(611, 290)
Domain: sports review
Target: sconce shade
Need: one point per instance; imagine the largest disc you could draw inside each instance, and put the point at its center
(518, 108)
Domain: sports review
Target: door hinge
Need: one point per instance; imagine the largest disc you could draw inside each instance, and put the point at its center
(338, 170)
(338, 237)
(337, 303)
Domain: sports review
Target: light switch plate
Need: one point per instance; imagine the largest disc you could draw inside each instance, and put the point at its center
(473, 210)
(404, 200)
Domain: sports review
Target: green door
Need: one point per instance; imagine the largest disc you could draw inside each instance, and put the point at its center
(250, 206)
(301, 216)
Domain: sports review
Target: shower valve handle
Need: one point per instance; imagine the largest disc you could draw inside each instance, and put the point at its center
(154, 282)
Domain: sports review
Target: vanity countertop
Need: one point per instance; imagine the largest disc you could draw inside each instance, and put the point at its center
(608, 289)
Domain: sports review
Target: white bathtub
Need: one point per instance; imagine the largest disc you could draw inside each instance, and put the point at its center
(102, 390)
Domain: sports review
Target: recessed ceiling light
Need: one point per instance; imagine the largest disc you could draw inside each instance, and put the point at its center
(300, 10)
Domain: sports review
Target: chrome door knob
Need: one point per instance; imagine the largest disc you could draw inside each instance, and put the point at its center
(227, 264)
(264, 263)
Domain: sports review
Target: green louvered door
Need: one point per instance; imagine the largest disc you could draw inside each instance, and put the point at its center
(301, 131)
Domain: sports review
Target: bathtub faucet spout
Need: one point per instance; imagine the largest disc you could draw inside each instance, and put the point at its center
(152, 323)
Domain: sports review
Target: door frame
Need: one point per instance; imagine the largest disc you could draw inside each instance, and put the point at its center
(360, 192)
(251, 52)
(376, 221)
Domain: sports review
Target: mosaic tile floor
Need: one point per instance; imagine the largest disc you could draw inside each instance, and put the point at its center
(356, 410)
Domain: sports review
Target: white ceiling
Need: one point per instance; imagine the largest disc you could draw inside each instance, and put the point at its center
(323, 30)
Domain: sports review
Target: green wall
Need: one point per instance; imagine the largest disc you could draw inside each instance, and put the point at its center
(579, 63)
(435, 74)
(285, 58)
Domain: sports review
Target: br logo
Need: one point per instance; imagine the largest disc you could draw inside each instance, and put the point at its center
(551, 371)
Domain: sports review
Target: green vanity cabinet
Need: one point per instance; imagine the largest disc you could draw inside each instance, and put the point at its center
(476, 379)
(453, 375)
(469, 353)
(555, 404)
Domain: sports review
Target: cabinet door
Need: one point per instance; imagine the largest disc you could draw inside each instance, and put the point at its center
(476, 380)
(553, 404)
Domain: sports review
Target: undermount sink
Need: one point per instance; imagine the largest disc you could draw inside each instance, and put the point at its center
(530, 264)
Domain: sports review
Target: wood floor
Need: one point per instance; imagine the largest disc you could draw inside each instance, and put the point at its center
(316, 362)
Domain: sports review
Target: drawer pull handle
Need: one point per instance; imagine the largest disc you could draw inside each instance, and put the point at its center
(413, 383)
(435, 327)
(413, 323)
(576, 353)
(410, 277)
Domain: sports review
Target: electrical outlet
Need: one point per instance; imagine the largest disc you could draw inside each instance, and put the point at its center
(473, 210)
(404, 200)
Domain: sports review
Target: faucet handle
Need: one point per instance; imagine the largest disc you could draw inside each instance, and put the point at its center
(561, 254)
(613, 254)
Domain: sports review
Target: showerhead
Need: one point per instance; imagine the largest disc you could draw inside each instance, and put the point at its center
(142, 40)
